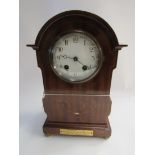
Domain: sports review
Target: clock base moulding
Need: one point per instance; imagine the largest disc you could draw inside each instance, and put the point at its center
(77, 129)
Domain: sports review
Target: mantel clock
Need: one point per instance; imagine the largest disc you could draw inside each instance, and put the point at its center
(77, 52)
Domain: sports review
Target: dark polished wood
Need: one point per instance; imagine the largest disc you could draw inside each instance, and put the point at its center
(83, 105)
(77, 109)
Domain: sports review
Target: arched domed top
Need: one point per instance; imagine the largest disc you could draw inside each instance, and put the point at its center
(73, 14)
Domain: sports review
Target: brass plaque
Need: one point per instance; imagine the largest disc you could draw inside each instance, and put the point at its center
(76, 132)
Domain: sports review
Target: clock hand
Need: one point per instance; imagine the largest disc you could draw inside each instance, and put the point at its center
(81, 63)
(76, 59)
(65, 57)
(85, 67)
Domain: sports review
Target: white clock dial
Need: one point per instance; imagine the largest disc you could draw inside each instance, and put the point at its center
(76, 57)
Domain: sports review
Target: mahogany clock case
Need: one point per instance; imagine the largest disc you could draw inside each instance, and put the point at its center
(83, 105)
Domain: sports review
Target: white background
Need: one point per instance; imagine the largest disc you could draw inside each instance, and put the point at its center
(120, 15)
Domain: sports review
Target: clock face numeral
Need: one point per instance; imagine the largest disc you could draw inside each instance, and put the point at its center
(93, 57)
(92, 49)
(89, 67)
(59, 49)
(75, 39)
(58, 57)
(74, 59)
(75, 74)
(92, 67)
(64, 56)
(66, 42)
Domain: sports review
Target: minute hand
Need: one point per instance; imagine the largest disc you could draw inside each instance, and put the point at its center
(80, 62)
